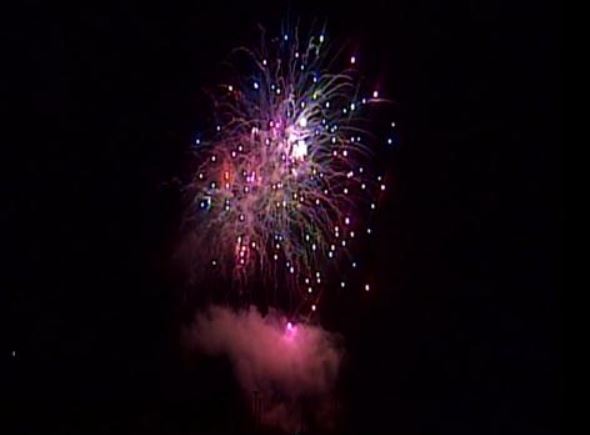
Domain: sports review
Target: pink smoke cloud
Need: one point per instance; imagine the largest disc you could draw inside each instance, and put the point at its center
(285, 362)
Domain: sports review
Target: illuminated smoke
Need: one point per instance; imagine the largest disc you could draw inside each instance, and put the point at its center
(288, 364)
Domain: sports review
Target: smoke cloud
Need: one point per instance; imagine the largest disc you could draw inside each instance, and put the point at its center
(292, 367)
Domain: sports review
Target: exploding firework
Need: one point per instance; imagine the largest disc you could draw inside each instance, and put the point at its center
(285, 180)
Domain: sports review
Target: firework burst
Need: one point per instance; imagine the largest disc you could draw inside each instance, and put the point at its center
(285, 180)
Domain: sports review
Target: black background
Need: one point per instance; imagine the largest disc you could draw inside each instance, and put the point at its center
(461, 335)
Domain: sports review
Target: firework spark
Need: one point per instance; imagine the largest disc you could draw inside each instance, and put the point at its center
(285, 181)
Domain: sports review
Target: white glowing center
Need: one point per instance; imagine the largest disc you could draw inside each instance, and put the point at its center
(299, 149)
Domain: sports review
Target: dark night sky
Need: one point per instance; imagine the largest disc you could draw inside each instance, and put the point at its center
(463, 335)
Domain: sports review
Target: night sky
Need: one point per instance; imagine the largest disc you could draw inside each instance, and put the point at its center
(462, 334)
